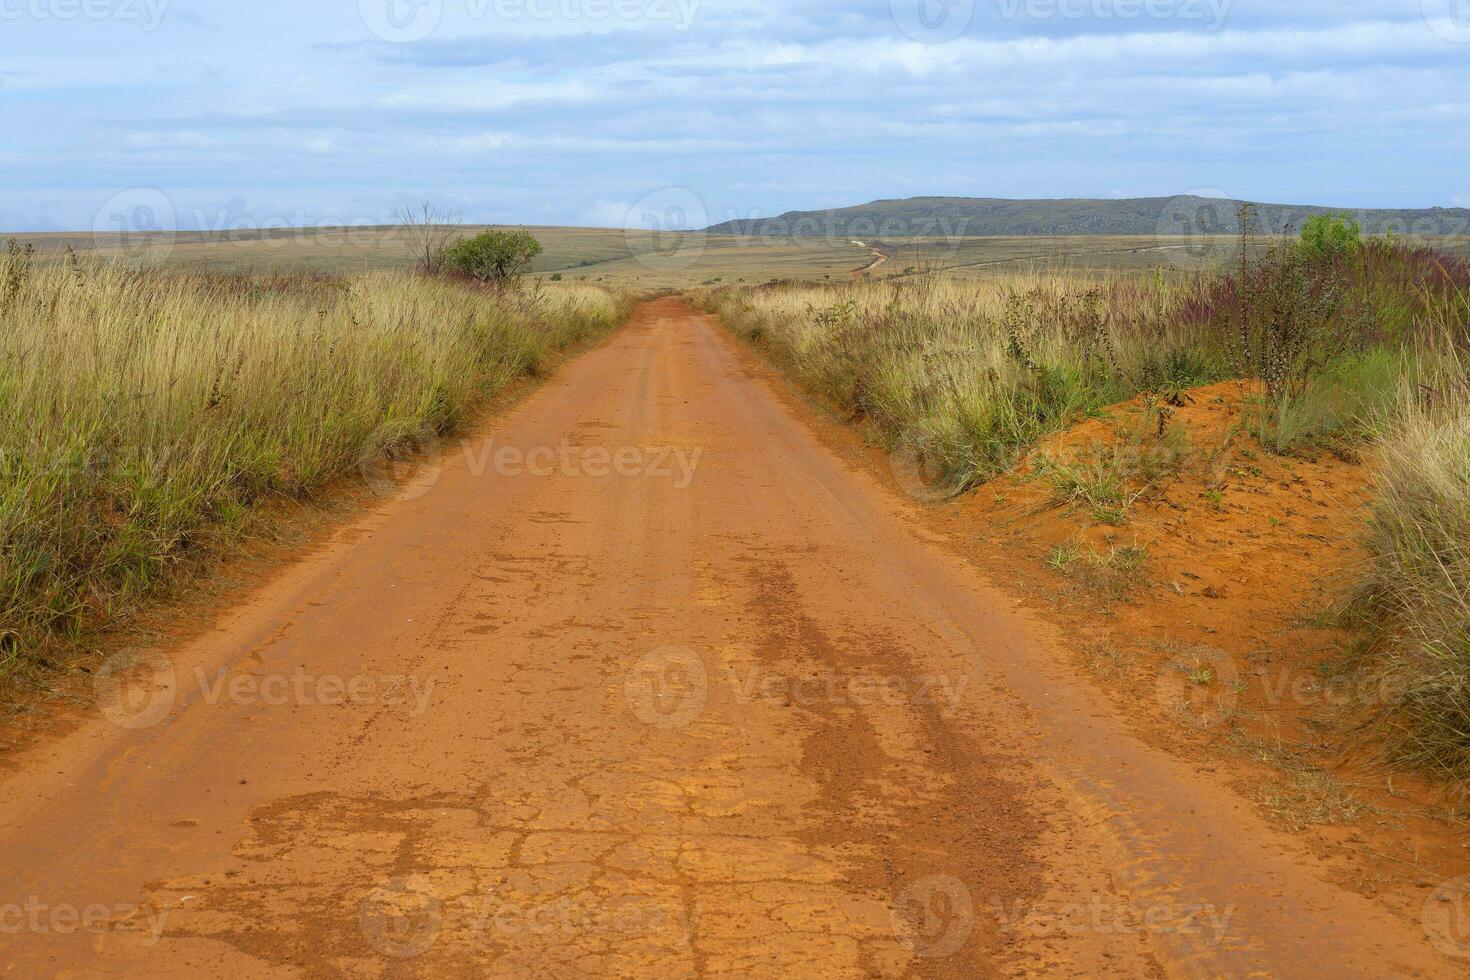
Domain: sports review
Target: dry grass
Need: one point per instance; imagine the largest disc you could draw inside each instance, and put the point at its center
(1416, 590)
(1362, 352)
(1107, 479)
(963, 376)
(1109, 573)
(1305, 795)
(967, 376)
(144, 415)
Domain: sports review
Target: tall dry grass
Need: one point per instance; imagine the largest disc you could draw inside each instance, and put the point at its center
(962, 376)
(144, 415)
(1361, 351)
(966, 375)
(1415, 594)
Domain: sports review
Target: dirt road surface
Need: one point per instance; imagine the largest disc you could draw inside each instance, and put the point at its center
(642, 680)
(879, 258)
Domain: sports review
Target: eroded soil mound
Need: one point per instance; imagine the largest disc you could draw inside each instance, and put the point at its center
(1198, 573)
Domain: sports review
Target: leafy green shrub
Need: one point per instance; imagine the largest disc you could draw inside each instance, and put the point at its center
(498, 258)
(1326, 235)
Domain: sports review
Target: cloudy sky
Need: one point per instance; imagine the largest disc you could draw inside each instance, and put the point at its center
(224, 113)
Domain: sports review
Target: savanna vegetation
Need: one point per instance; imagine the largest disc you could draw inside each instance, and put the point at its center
(495, 258)
(145, 416)
(1346, 345)
(1415, 595)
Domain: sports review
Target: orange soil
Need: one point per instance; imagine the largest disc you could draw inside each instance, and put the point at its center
(1243, 586)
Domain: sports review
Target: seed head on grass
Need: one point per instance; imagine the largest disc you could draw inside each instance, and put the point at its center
(146, 414)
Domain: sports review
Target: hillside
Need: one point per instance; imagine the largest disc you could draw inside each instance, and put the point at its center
(925, 216)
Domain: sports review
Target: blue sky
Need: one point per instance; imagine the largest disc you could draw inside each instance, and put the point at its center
(573, 111)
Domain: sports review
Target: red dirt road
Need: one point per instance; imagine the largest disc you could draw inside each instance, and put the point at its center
(644, 681)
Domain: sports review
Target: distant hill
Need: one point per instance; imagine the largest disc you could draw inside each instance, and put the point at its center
(966, 216)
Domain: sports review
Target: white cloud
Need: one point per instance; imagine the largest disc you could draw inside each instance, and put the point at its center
(762, 106)
(605, 214)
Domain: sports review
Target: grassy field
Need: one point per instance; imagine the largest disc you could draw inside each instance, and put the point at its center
(608, 255)
(976, 258)
(972, 258)
(642, 260)
(1361, 352)
(146, 415)
(143, 415)
(334, 251)
(683, 261)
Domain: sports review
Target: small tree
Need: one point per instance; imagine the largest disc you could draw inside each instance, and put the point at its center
(1326, 235)
(495, 257)
(429, 230)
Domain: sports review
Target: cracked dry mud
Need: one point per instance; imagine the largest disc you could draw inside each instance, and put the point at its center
(751, 724)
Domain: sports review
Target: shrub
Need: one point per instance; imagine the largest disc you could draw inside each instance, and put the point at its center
(1327, 235)
(497, 258)
(1280, 318)
(1325, 335)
